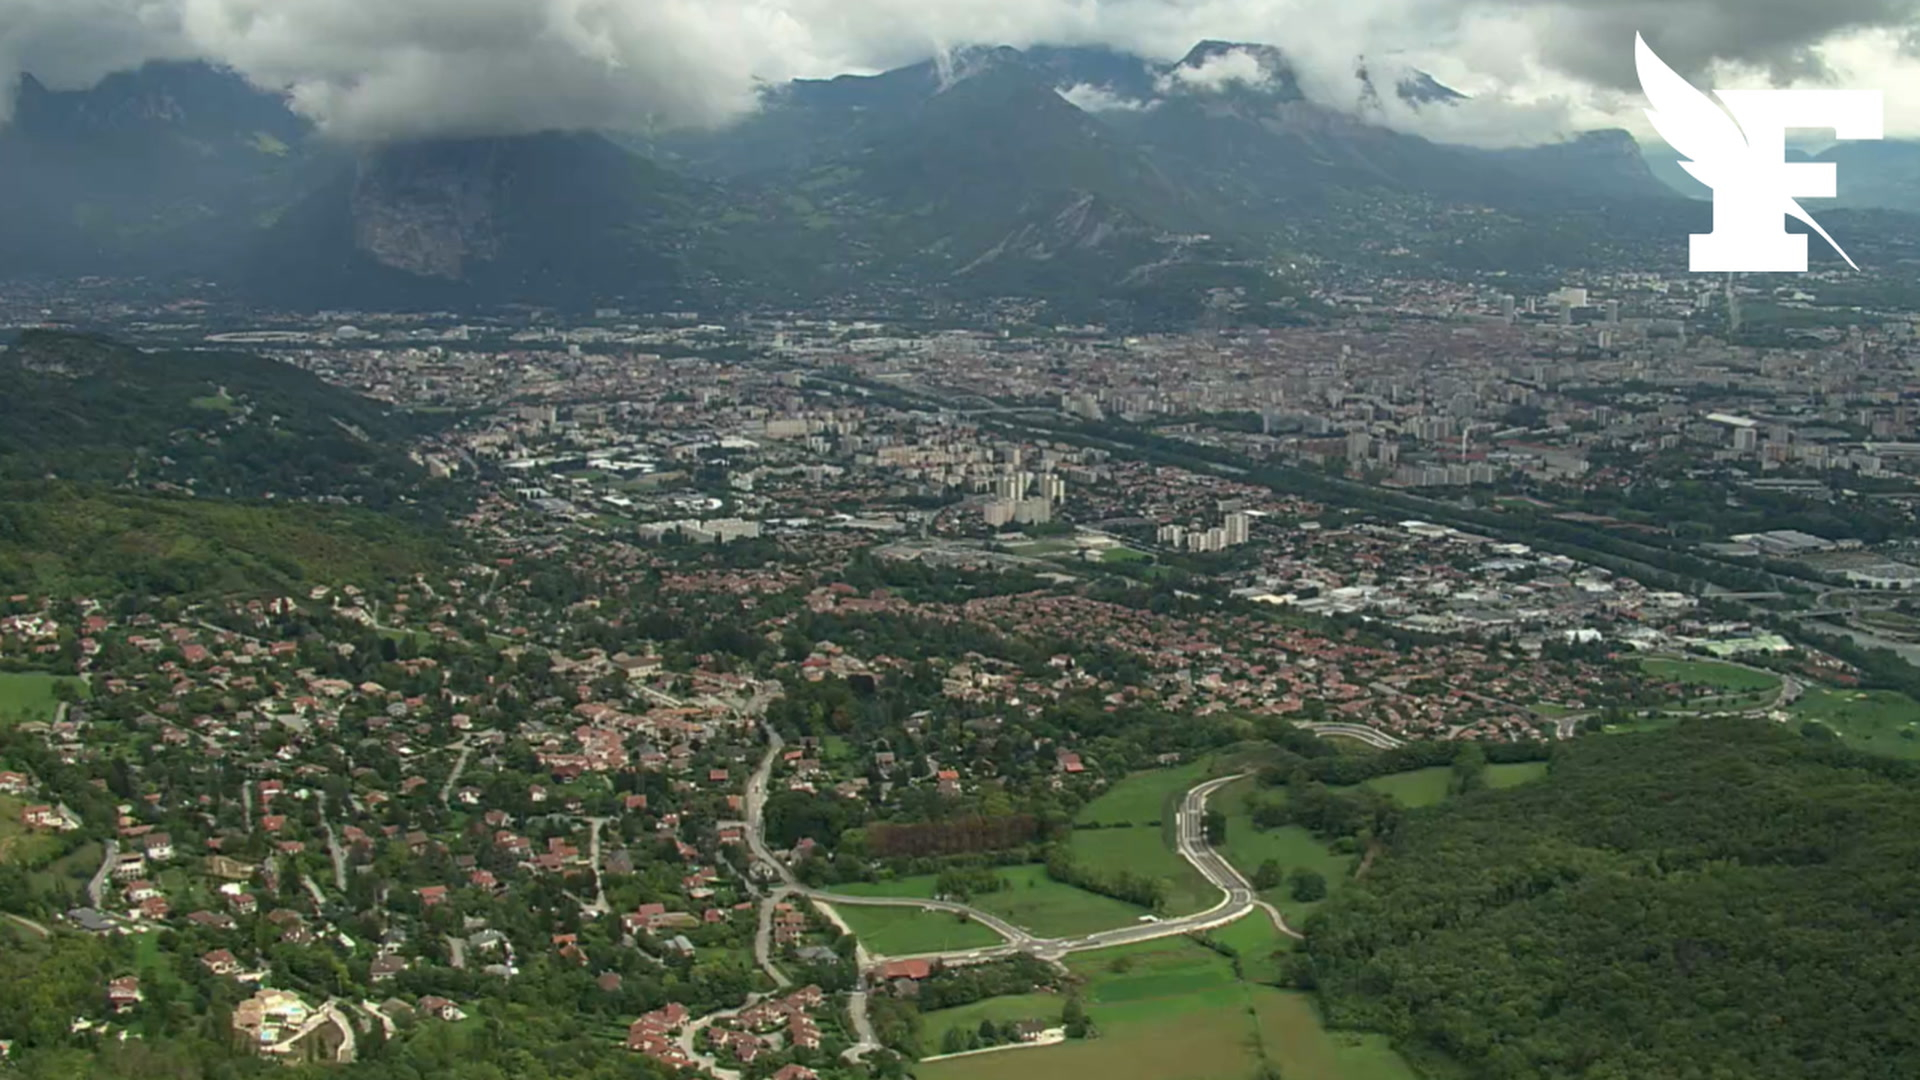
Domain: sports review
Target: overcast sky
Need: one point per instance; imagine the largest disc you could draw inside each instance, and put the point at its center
(375, 69)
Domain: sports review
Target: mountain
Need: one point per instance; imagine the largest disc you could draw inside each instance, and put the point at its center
(560, 219)
(86, 409)
(1878, 174)
(162, 170)
(1097, 181)
(1869, 174)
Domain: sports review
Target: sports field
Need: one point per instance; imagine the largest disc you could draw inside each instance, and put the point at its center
(1711, 674)
(1877, 721)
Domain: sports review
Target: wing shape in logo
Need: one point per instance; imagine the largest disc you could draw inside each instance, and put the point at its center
(1711, 140)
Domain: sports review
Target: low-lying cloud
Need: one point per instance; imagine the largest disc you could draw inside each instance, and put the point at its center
(383, 69)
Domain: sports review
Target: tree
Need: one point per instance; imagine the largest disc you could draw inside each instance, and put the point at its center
(1073, 1016)
(1469, 770)
(1268, 875)
(953, 1041)
(1309, 886)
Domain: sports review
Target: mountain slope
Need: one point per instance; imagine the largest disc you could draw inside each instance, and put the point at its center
(82, 408)
(566, 220)
(198, 472)
(164, 170)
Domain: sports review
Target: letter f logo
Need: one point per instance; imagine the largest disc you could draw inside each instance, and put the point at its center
(1743, 158)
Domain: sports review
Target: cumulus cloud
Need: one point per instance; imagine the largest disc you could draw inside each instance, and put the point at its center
(377, 69)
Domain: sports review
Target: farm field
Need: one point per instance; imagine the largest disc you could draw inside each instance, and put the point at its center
(1031, 900)
(1877, 721)
(902, 931)
(28, 695)
(1173, 1010)
(1138, 812)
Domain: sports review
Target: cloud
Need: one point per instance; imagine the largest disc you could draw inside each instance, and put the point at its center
(1215, 73)
(379, 69)
(1098, 99)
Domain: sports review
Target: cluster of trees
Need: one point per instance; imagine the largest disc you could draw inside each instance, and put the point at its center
(957, 1040)
(1304, 753)
(955, 986)
(1724, 899)
(958, 836)
(1328, 812)
(965, 882)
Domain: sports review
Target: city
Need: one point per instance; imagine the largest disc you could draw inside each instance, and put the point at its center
(954, 561)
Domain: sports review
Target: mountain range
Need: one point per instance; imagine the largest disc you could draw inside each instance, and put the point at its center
(1100, 181)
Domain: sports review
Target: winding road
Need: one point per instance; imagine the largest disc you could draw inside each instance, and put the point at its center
(1370, 736)
(1238, 896)
(1237, 900)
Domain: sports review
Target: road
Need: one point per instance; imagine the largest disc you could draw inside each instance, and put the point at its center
(599, 905)
(1237, 900)
(1370, 736)
(96, 887)
(334, 850)
(459, 766)
(38, 928)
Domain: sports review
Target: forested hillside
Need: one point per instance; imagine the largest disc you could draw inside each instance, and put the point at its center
(89, 409)
(1722, 900)
(196, 472)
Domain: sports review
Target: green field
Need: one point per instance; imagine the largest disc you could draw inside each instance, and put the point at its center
(1878, 721)
(1421, 787)
(17, 842)
(1145, 804)
(1173, 1010)
(1032, 901)
(1427, 787)
(1144, 798)
(28, 695)
(1123, 555)
(900, 931)
(1292, 846)
(1710, 674)
(1262, 948)
(935, 1025)
(1521, 772)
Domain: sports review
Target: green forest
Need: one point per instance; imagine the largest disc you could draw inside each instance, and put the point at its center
(1725, 899)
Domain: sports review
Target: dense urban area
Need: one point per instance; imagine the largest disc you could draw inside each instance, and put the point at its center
(819, 695)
